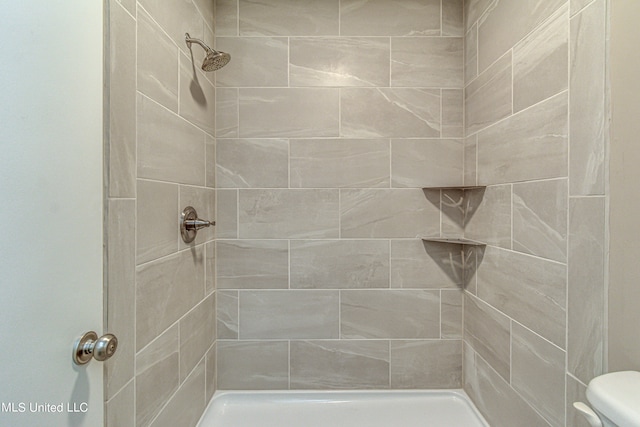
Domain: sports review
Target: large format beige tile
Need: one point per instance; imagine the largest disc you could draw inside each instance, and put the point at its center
(387, 213)
(122, 103)
(167, 289)
(252, 264)
(252, 163)
(226, 19)
(474, 9)
(227, 315)
(210, 268)
(157, 215)
(418, 264)
(297, 314)
(227, 214)
(378, 313)
(453, 18)
(407, 112)
(197, 333)
(426, 162)
(540, 218)
(532, 144)
(424, 364)
(343, 61)
(470, 160)
(390, 17)
(586, 305)
(197, 94)
(427, 62)
(169, 148)
(289, 18)
(540, 62)
(488, 332)
(488, 215)
(288, 214)
(210, 374)
(120, 410)
(451, 313)
(253, 365)
(331, 163)
(452, 113)
(255, 62)
(537, 373)
(226, 113)
(339, 364)
(293, 112)
(530, 290)
(471, 54)
(176, 19)
(339, 264)
(587, 100)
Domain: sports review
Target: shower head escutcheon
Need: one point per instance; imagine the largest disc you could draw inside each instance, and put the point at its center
(214, 59)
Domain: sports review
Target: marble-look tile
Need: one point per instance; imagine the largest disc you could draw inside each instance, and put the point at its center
(488, 215)
(210, 374)
(252, 163)
(253, 264)
(529, 145)
(530, 290)
(339, 364)
(210, 160)
(204, 201)
(418, 364)
(207, 10)
(471, 54)
(197, 333)
(157, 63)
(390, 17)
(426, 162)
(166, 290)
(488, 332)
(387, 213)
(452, 18)
(453, 205)
(578, 5)
(157, 230)
(300, 314)
(288, 214)
(418, 264)
(587, 101)
(253, 365)
(227, 315)
(407, 112)
(129, 5)
(489, 97)
(540, 218)
(378, 313)
(226, 19)
(540, 62)
(157, 376)
(537, 373)
(169, 148)
(176, 18)
(291, 112)
(227, 214)
(453, 113)
(586, 328)
(289, 18)
(344, 61)
(451, 313)
(339, 264)
(227, 113)
(499, 403)
(507, 22)
(122, 103)
(470, 160)
(185, 407)
(197, 94)
(210, 268)
(120, 410)
(474, 9)
(255, 62)
(121, 291)
(331, 163)
(427, 62)
(576, 392)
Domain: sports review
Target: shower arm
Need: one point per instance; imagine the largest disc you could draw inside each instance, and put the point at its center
(202, 44)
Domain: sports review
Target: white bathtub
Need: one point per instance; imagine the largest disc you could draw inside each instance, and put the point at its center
(432, 408)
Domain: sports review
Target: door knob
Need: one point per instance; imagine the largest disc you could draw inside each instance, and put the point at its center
(89, 345)
(190, 224)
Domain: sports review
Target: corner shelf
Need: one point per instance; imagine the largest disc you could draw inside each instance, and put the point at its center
(455, 240)
(457, 187)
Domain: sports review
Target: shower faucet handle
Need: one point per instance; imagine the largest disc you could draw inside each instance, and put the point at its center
(190, 224)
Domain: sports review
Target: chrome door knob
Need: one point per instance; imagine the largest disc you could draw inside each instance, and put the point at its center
(89, 345)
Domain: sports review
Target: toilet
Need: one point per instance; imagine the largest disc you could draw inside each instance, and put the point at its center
(615, 399)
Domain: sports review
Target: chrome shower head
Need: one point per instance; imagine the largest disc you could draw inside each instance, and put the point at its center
(214, 59)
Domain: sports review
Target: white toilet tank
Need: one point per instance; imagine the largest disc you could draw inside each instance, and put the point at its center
(616, 398)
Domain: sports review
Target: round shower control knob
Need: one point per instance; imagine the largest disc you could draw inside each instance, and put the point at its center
(89, 345)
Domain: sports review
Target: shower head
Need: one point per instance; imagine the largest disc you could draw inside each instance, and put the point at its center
(214, 59)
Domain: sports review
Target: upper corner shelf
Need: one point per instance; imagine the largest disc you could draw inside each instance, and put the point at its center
(455, 240)
(457, 187)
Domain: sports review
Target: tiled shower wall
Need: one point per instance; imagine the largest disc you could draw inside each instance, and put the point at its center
(331, 116)
(535, 122)
(160, 291)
